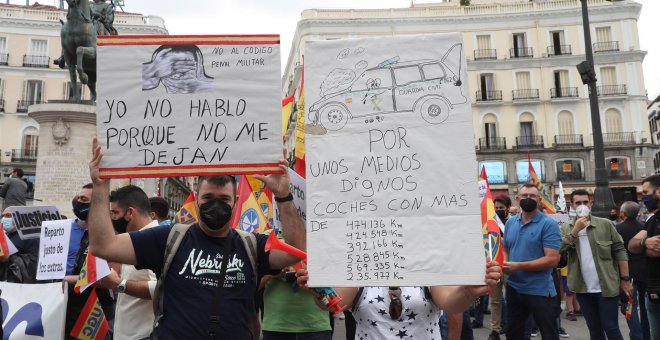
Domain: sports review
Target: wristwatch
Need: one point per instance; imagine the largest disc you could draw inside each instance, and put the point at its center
(286, 198)
(625, 278)
(122, 286)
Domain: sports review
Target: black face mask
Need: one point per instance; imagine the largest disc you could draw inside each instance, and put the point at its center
(120, 225)
(650, 202)
(613, 217)
(501, 214)
(215, 214)
(81, 210)
(528, 204)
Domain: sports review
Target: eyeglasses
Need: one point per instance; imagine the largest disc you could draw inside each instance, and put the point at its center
(396, 307)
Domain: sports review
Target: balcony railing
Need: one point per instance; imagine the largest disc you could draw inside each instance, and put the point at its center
(24, 155)
(619, 138)
(486, 96)
(497, 179)
(618, 174)
(521, 52)
(555, 50)
(564, 92)
(569, 176)
(569, 141)
(529, 142)
(4, 59)
(36, 61)
(485, 54)
(607, 46)
(2, 105)
(492, 143)
(612, 90)
(525, 94)
(22, 106)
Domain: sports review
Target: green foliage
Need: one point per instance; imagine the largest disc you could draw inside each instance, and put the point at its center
(465, 2)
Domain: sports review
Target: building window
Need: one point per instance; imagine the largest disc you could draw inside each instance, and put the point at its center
(612, 121)
(33, 92)
(4, 57)
(30, 141)
(569, 169)
(603, 34)
(495, 171)
(558, 45)
(68, 95)
(522, 169)
(520, 46)
(565, 123)
(618, 167)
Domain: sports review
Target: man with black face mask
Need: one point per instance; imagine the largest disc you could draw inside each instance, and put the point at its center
(648, 242)
(190, 285)
(531, 253)
(80, 205)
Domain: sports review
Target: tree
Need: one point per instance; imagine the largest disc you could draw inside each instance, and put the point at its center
(465, 2)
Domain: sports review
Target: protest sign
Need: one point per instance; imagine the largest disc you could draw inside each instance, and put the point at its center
(27, 220)
(53, 249)
(33, 311)
(392, 196)
(188, 105)
(297, 189)
(560, 218)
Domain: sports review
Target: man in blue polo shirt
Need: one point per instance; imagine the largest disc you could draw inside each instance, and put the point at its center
(531, 252)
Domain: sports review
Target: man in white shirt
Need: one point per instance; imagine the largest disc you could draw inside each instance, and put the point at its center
(130, 211)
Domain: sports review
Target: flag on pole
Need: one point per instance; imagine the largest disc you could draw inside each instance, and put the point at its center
(247, 214)
(266, 205)
(91, 323)
(546, 202)
(561, 199)
(491, 225)
(92, 270)
(300, 130)
(287, 106)
(188, 214)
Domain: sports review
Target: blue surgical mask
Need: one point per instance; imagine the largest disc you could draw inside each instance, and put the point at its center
(7, 224)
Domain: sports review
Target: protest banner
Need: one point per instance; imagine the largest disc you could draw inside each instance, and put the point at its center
(33, 311)
(297, 188)
(392, 193)
(188, 105)
(560, 218)
(27, 220)
(53, 249)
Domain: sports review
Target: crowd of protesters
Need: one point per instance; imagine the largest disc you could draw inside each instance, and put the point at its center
(589, 267)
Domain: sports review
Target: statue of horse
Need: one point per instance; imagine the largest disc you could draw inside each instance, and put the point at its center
(78, 38)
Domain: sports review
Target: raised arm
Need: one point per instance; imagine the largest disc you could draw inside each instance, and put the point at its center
(293, 227)
(103, 241)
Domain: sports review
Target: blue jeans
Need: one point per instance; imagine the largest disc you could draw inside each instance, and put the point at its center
(466, 331)
(323, 335)
(601, 314)
(638, 323)
(521, 306)
(653, 309)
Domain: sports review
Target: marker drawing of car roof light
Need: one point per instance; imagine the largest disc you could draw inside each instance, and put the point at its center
(390, 61)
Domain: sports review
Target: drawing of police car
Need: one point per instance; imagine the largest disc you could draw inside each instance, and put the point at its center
(428, 87)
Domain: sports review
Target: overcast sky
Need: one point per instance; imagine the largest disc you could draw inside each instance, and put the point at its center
(281, 16)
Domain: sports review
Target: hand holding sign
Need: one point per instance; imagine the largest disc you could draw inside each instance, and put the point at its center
(278, 183)
(97, 155)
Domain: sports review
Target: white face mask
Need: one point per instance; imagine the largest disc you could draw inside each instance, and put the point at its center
(582, 211)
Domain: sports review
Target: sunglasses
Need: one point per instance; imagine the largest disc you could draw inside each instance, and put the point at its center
(396, 307)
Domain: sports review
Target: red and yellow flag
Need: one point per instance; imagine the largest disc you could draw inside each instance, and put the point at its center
(91, 323)
(247, 214)
(546, 202)
(266, 205)
(4, 247)
(287, 107)
(491, 224)
(188, 214)
(629, 308)
(300, 130)
(92, 270)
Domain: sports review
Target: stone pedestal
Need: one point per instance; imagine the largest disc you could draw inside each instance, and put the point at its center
(65, 149)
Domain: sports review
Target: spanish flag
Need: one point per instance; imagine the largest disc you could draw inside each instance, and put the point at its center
(491, 225)
(92, 270)
(300, 130)
(266, 204)
(247, 214)
(629, 308)
(4, 246)
(287, 107)
(546, 202)
(188, 214)
(91, 323)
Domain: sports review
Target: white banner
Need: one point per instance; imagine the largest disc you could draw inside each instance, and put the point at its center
(297, 189)
(53, 249)
(28, 219)
(392, 193)
(33, 311)
(182, 105)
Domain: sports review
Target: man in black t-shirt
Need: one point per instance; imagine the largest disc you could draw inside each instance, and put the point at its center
(648, 242)
(191, 282)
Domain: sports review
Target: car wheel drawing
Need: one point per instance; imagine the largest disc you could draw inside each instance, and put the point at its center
(333, 117)
(433, 110)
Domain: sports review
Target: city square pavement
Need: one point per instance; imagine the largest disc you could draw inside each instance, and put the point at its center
(575, 329)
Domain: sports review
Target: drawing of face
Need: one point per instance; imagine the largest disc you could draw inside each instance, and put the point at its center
(180, 68)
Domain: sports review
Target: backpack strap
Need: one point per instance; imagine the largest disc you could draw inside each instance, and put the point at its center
(250, 244)
(173, 242)
(356, 301)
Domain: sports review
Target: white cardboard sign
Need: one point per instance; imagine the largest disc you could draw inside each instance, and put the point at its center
(188, 105)
(28, 219)
(392, 196)
(298, 190)
(53, 249)
(34, 311)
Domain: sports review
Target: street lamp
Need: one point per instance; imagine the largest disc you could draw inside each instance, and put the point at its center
(603, 199)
